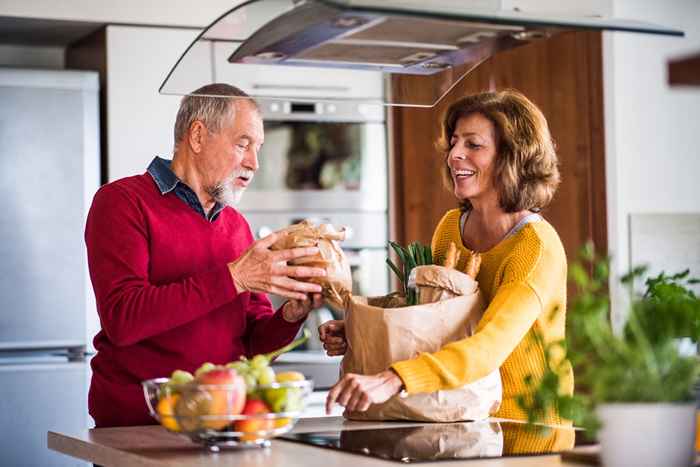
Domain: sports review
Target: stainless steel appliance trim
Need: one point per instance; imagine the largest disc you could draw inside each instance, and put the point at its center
(37, 367)
(31, 345)
(363, 229)
(313, 201)
(350, 112)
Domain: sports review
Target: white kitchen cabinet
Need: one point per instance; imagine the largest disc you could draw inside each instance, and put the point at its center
(139, 120)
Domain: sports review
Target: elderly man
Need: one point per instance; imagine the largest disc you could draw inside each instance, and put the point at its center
(177, 277)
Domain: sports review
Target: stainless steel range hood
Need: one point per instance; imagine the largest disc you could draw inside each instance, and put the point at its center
(343, 50)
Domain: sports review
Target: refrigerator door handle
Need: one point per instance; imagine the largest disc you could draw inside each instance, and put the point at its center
(77, 354)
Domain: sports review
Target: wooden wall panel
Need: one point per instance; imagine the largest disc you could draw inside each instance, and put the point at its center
(563, 76)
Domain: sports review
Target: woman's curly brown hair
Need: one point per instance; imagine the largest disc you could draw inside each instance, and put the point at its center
(525, 174)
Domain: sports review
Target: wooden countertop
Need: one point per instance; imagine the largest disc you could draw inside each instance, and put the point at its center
(153, 446)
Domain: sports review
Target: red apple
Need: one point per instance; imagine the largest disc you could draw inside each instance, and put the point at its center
(228, 400)
(249, 427)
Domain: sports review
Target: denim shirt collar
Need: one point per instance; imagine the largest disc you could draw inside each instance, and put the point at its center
(164, 177)
(167, 181)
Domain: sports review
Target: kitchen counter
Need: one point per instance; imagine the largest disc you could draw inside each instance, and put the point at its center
(153, 446)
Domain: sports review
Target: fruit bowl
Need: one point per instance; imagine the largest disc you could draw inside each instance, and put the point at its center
(221, 415)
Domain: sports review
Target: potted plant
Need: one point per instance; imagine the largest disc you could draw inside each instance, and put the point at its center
(635, 387)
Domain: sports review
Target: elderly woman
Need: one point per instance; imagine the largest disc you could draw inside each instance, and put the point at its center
(501, 165)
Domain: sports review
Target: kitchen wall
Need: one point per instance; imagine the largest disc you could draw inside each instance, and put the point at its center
(651, 129)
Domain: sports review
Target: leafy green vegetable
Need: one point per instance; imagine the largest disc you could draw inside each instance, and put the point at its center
(641, 363)
(416, 254)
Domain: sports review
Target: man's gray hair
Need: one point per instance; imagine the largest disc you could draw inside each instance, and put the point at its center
(205, 105)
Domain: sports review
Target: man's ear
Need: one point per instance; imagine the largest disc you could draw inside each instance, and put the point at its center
(197, 136)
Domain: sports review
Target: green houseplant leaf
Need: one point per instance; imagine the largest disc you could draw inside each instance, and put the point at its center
(642, 363)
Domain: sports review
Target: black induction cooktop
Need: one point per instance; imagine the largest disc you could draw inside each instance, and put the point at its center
(444, 441)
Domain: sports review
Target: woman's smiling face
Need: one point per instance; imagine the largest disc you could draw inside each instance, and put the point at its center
(472, 157)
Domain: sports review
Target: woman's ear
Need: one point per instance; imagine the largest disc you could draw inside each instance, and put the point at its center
(197, 136)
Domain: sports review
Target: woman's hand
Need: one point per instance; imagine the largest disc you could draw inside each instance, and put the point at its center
(332, 334)
(295, 310)
(358, 392)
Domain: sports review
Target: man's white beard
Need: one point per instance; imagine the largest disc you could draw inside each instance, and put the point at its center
(226, 192)
(230, 196)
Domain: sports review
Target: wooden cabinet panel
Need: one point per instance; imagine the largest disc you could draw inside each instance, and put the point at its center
(563, 76)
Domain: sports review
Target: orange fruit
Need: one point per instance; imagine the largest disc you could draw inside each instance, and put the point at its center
(287, 376)
(280, 422)
(166, 410)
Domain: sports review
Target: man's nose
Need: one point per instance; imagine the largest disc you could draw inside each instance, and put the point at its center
(251, 160)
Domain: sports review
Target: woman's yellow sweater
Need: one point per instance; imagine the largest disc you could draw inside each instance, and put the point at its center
(523, 279)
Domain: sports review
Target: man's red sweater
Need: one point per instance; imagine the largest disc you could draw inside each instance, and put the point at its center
(164, 295)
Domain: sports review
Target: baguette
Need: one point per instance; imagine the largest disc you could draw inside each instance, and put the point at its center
(473, 264)
(452, 257)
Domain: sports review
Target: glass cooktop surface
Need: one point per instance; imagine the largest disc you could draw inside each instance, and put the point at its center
(444, 441)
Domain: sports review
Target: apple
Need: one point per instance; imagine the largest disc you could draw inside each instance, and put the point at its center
(253, 425)
(222, 401)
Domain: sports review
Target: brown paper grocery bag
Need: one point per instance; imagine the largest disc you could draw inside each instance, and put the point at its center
(378, 337)
(337, 283)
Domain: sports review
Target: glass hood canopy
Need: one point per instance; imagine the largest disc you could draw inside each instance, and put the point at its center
(345, 50)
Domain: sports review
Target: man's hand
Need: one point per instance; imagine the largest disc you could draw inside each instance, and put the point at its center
(295, 310)
(332, 334)
(260, 269)
(358, 392)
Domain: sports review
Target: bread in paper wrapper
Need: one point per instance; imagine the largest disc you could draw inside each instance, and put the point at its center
(378, 334)
(438, 283)
(337, 284)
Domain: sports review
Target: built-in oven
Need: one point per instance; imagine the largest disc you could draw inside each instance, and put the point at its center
(326, 162)
(321, 157)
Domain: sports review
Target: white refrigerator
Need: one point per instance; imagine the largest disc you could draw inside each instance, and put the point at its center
(49, 172)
